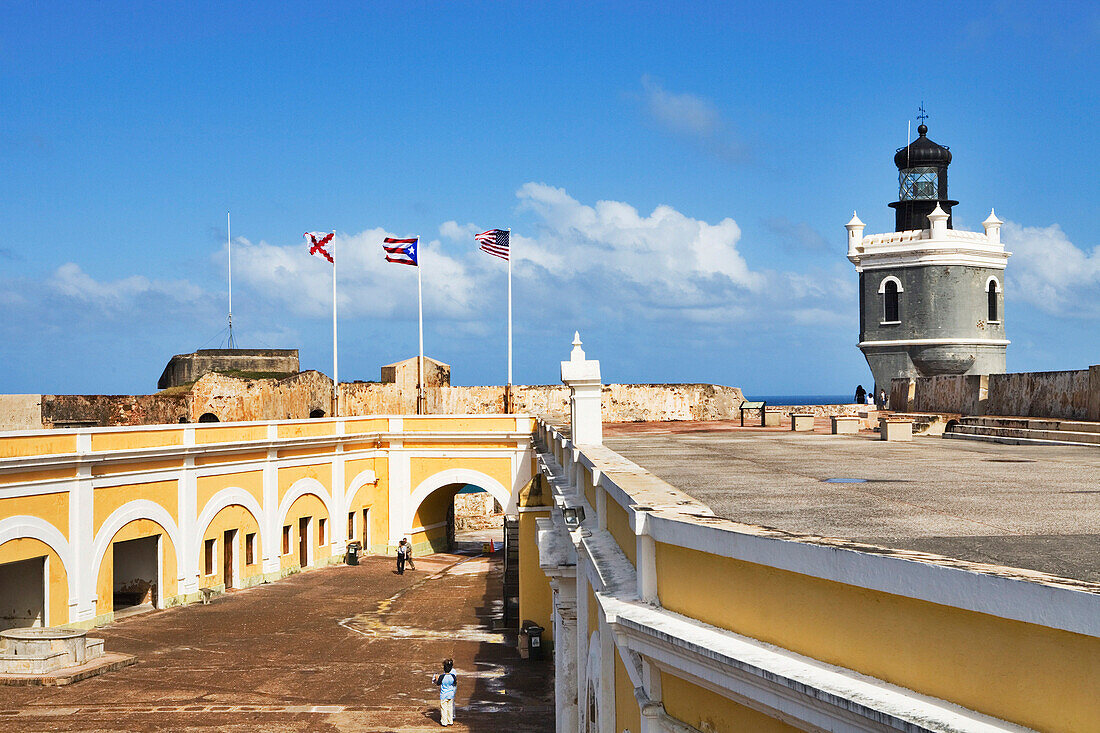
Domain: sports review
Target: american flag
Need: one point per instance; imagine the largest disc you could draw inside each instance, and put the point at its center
(401, 251)
(317, 242)
(494, 242)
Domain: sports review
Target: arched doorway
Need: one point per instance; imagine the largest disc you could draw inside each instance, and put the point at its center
(208, 417)
(438, 502)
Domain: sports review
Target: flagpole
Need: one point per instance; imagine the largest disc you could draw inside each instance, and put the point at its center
(229, 244)
(508, 394)
(421, 399)
(335, 363)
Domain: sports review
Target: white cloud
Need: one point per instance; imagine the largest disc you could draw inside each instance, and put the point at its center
(458, 232)
(71, 281)
(367, 285)
(670, 254)
(1050, 272)
(694, 118)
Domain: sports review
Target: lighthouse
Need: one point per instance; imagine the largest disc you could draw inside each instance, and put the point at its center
(931, 297)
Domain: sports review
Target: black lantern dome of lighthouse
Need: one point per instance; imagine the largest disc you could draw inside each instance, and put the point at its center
(922, 181)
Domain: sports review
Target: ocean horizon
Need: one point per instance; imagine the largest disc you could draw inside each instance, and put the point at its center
(831, 399)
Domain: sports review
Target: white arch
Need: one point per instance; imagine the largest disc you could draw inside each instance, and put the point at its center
(889, 279)
(454, 476)
(119, 518)
(364, 477)
(25, 526)
(300, 488)
(993, 279)
(224, 498)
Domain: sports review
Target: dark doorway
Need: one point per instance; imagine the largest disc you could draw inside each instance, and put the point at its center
(23, 593)
(317, 413)
(229, 552)
(208, 417)
(303, 541)
(136, 573)
(366, 530)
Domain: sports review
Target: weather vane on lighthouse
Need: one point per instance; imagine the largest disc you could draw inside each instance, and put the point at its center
(921, 114)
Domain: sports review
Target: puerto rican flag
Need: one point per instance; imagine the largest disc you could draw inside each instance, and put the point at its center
(401, 251)
(317, 243)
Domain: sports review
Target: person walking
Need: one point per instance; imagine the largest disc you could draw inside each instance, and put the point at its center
(448, 683)
(403, 552)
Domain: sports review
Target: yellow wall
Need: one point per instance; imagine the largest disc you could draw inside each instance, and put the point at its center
(133, 439)
(231, 517)
(375, 496)
(497, 468)
(308, 505)
(618, 524)
(432, 510)
(627, 715)
(109, 498)
(590, 489)
(320, 471)
(207, 486)
(535, 596)
(19, 477)
(26, 548)
(706, 710)
(230, 434)
(311, 429)
(216, 458)
(107, 469)
(37, 445)
(54, 508)
(368, 425)
(1037, 676)
(132, 531)
(457, 424)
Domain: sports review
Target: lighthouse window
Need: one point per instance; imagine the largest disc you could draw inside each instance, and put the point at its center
(991, 295)
(890, 302)
(919, 183)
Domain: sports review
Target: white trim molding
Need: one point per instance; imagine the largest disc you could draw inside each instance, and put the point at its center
(937, 342)
(887, 279)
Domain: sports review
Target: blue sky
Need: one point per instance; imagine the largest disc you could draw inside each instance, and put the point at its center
(677, 181)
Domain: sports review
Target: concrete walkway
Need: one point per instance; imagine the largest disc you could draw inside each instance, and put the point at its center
(337, 649)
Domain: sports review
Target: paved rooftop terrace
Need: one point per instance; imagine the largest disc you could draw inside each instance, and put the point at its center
(337, 649)
(1033, 507)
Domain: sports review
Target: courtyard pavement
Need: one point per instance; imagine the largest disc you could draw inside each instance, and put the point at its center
(344, 648)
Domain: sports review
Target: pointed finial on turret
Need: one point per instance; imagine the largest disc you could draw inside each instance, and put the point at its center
(992, 228)
(577, 354)
(855, 222)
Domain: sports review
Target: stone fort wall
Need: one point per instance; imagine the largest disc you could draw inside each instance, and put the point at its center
(1067, 395)
(231, 399)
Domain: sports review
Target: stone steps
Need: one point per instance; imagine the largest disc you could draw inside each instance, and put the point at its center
(1023, 430)
(923, 424)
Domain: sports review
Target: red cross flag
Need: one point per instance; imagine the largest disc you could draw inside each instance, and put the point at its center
(317, 242)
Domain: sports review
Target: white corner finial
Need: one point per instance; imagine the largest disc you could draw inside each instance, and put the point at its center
(855, 222)
(578, 353)
(938, 214)
(992, 228)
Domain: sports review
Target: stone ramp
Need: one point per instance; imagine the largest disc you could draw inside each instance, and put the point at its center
(1025, 431)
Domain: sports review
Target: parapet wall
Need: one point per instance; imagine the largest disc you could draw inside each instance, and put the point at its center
(231, 399)
(1066, 395)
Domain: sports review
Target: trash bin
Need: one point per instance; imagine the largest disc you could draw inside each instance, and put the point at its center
(352, 557)
(534, 641)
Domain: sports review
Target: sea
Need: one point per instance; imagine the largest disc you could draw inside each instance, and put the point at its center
(803, 399)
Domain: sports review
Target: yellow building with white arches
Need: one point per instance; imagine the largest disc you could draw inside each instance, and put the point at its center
(158, 514)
